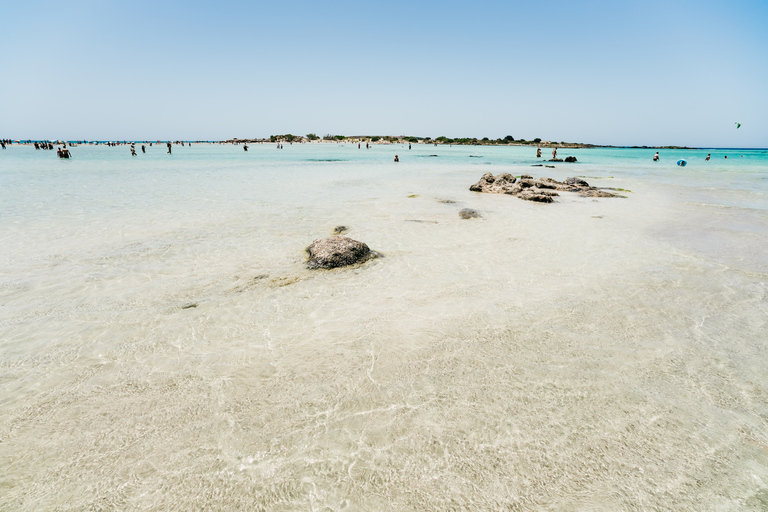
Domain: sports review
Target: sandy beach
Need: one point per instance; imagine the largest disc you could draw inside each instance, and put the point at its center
(165, 347)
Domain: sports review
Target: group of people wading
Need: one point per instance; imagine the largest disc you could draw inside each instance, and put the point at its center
(554, 152)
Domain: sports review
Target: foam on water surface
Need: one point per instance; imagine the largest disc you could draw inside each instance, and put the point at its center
(587, 354)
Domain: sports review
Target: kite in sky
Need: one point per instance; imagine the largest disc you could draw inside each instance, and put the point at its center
(738, 125)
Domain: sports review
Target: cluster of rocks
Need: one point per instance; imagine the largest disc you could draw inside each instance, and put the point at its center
(535, 189)
(340, 251)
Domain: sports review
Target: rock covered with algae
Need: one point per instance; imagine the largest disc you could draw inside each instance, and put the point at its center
(337, 251)
(535, 189)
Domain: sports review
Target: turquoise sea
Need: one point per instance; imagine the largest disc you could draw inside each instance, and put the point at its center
(164, 347)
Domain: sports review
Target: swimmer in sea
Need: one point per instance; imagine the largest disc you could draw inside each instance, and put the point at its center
(133, 151)
(245, 147)
(538, 152)
(656, 157)
(397, 159)
(708, 155)
(59, 153)
(169, 147)
(143, 148)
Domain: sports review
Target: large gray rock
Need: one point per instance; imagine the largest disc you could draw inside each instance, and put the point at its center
(337, 251)
(494, 184)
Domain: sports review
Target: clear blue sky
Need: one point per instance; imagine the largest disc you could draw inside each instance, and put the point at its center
(652, 72)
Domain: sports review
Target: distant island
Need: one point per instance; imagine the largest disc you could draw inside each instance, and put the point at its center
(404, 139)
(311, 138)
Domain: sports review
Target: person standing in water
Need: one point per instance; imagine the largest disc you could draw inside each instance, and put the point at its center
(397, 159)
(554, 152)
(143, 148)
(245, 147)
(133, 150)
(538, 152)
(169, 147)
(409, 145)
(656, 157)
(708, 155)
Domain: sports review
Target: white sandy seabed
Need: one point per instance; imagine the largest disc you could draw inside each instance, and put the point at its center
(584, 355)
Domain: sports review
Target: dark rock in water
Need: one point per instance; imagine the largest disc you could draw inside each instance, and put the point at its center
(537, 165)
(495, 185)
(576, 181)
(526, 182)
(550, 166)
(541, 190)
(594, 192)
(189, 306)
(545, 183)
(555, 159)
(469, 213)
(570, 159)
(539, 197)
(337, 251)
(340, 230)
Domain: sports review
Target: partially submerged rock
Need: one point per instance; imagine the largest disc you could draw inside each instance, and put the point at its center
(541, 190)
(340, 230)
(337, 251)
(576, 181)
(507, 184)
(494, 185)
(469, 213)
(570, 159)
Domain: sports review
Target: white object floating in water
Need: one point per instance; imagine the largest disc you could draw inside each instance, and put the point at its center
(681, 163)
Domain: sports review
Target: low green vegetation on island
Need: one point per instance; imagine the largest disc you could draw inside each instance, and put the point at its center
(411, 139)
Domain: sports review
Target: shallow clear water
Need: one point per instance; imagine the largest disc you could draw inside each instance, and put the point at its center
(583, 355)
